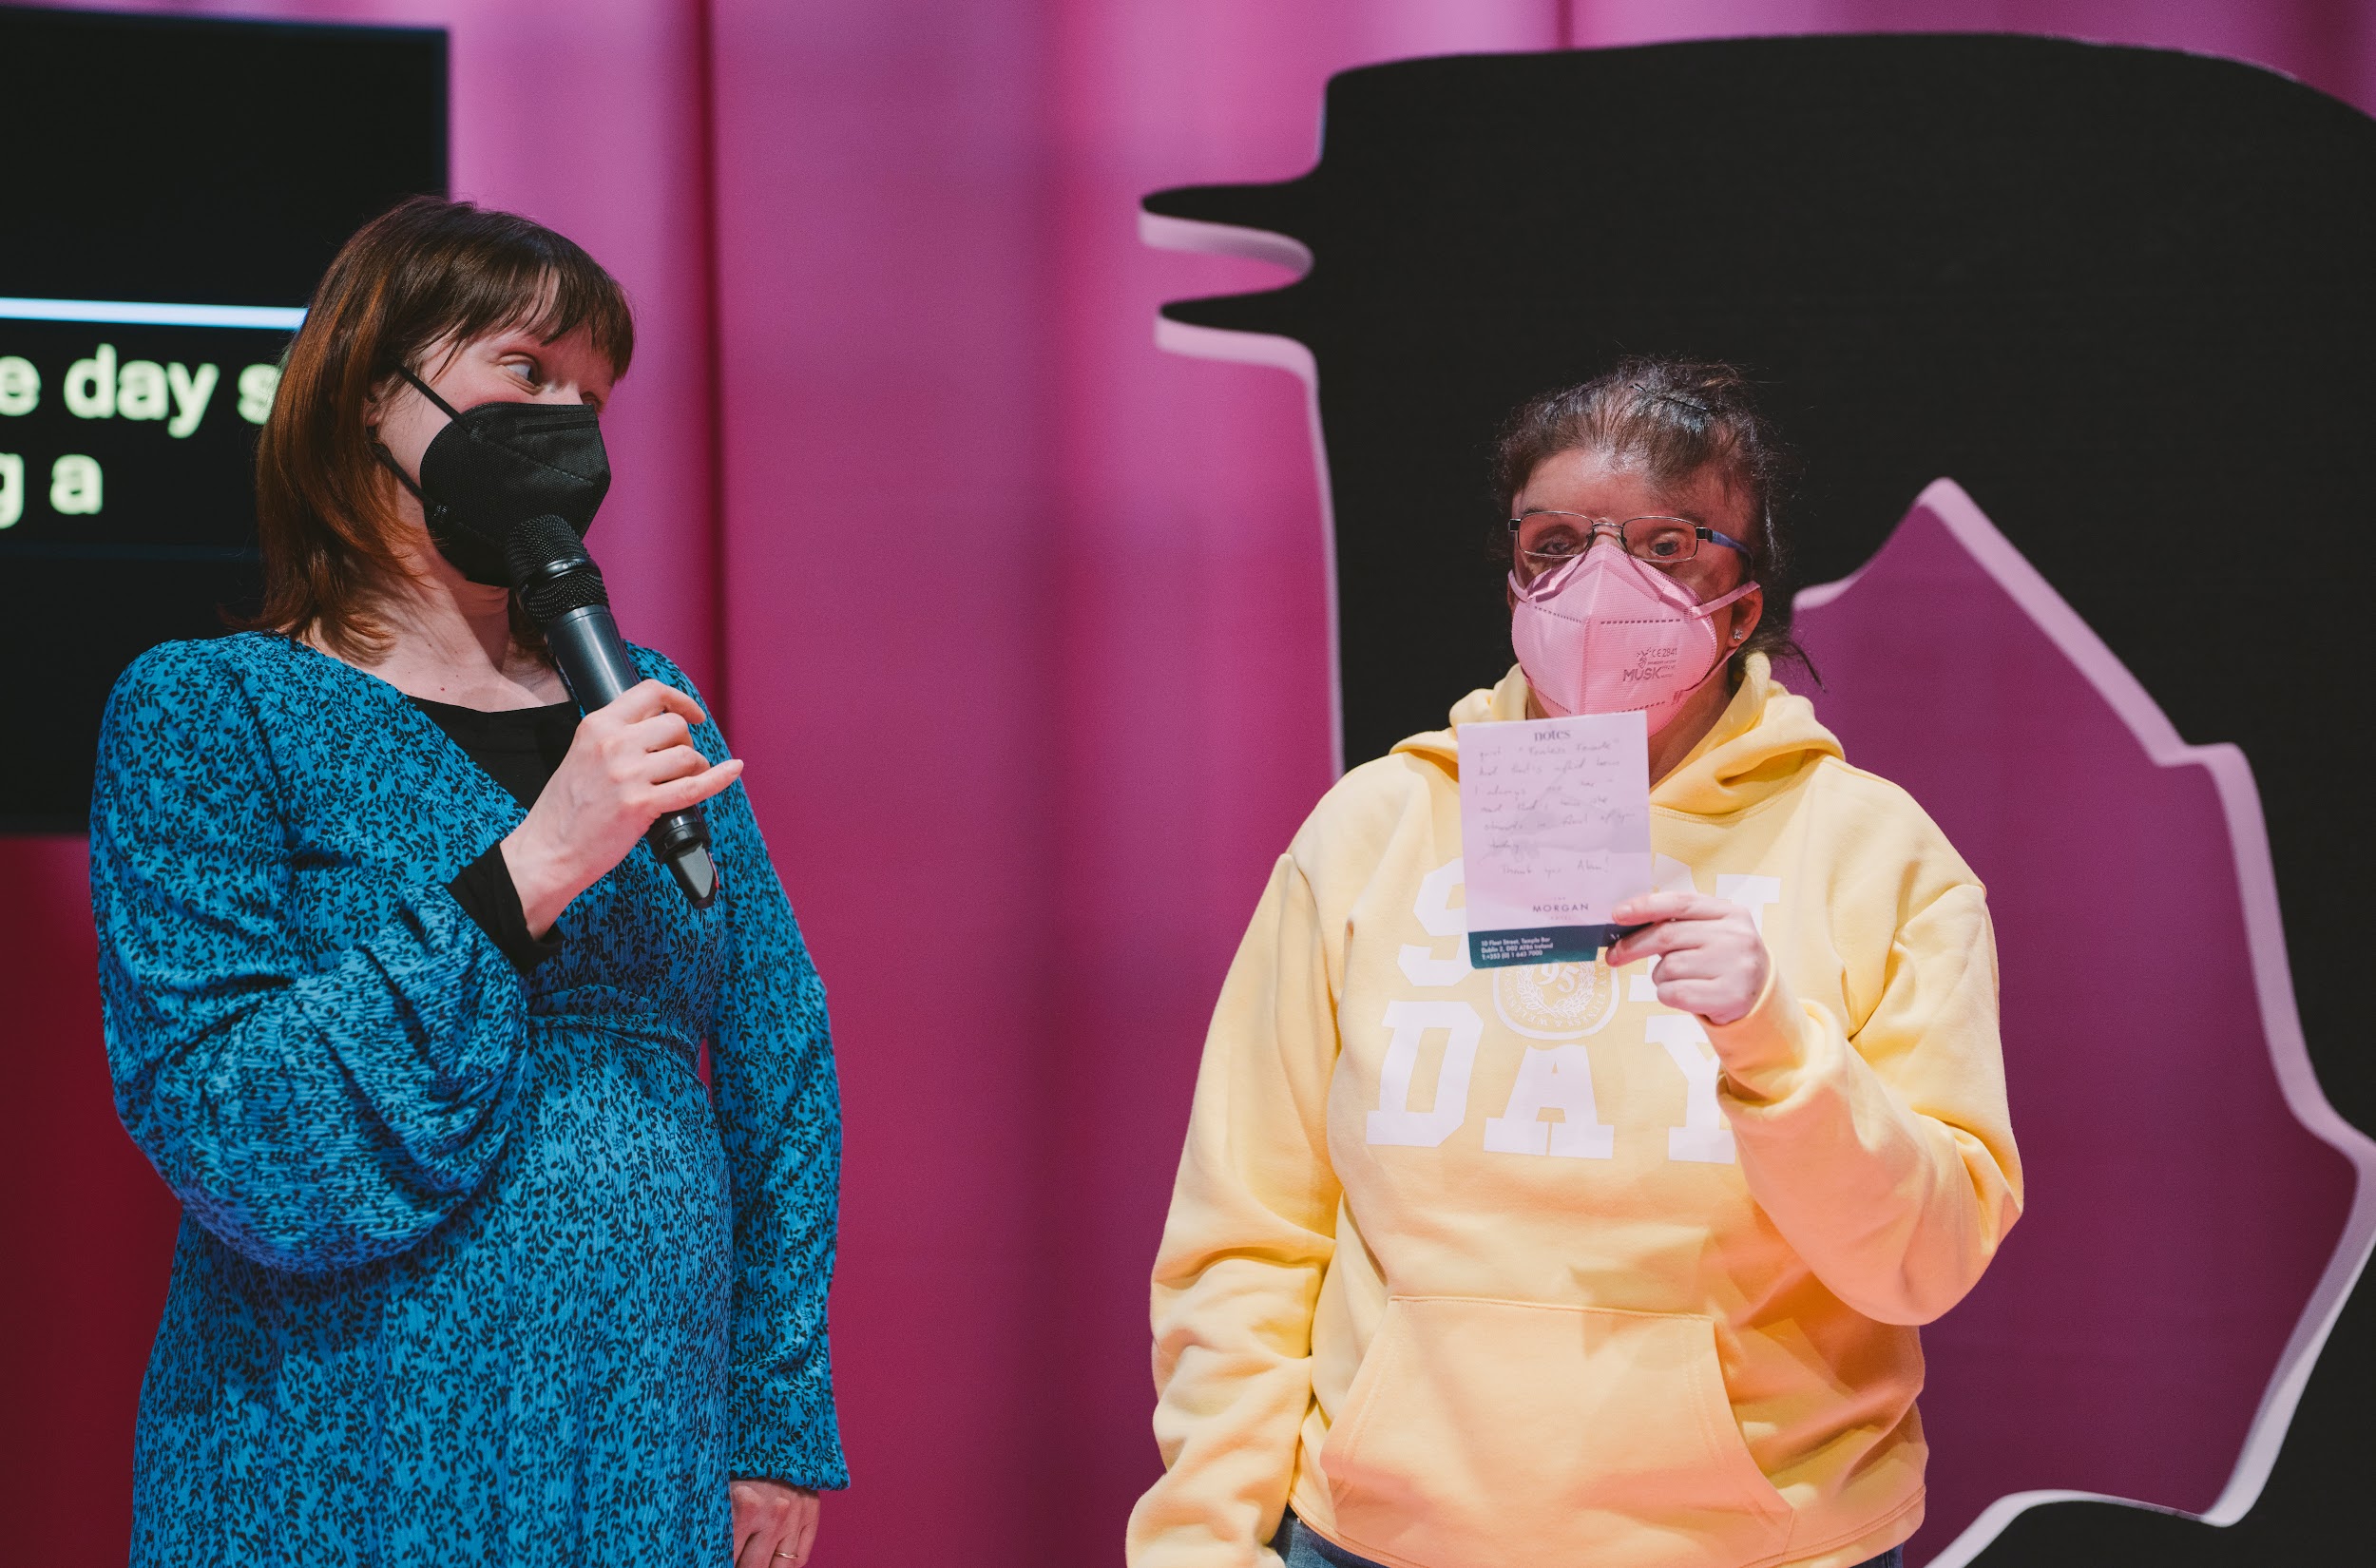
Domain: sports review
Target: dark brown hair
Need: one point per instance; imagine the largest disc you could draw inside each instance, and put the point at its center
(424, 274)
(1679, 418)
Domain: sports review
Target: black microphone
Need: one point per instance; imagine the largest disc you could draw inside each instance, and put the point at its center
(562, 589)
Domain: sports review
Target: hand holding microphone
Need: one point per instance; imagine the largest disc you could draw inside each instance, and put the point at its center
(632, 761)
(631, 770)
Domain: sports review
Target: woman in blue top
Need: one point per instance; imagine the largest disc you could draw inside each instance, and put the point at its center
(473, 1268)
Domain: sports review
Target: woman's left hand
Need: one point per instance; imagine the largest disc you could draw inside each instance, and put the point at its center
(774, 1525)
(1710, 958)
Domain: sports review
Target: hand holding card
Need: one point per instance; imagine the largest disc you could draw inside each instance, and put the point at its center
(1710, 958)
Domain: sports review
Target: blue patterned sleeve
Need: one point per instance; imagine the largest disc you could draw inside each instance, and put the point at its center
(779, 1112)
(315, 1112)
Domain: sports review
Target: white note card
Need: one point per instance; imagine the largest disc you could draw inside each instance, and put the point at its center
(1555, 832)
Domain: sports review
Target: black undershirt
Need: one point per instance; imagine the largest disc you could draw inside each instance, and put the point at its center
(519, 749)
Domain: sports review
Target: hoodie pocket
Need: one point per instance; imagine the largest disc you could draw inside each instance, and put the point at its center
(1479, 1434)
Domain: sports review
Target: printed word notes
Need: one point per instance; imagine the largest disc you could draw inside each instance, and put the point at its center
(1555, 831)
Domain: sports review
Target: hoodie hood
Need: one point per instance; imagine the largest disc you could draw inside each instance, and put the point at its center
(1765, 738)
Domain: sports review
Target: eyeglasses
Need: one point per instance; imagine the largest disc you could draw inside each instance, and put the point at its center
(1661, 541)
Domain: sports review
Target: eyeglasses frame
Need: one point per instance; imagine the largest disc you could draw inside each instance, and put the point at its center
(1704, 533)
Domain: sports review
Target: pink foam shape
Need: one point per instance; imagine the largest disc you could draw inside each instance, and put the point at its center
(1278, 352)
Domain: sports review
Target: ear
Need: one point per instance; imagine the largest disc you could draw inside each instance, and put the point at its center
(1747, 611)
(376, 404)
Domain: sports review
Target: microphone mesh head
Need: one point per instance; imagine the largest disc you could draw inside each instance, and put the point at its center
(552, 597)
(551, 570)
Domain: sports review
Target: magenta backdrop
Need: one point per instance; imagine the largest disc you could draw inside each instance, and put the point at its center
(898, 460)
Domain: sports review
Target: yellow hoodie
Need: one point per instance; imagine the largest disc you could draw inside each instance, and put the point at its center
(1491, 1269)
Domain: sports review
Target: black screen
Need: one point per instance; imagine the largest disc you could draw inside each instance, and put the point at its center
(156, 167)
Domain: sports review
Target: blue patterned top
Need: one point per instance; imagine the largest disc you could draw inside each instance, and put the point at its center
(471, 1268)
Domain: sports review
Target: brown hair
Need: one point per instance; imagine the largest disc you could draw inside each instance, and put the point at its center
(1678, 417)
(426, 273)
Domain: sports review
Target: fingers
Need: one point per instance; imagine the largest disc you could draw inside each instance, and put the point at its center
(1670, 905)
(1695, 996)
(1719, 1000)
(757, 1529)
(1652, 940)
(1691, 964)
(658, 732)
(1670, 922)
(655, 751)
(744, 1501)
(800, 1527)
(1714, 968)
(773, 1524)
(647, 698)
(668, 766)
(659, 765)
(680, 794)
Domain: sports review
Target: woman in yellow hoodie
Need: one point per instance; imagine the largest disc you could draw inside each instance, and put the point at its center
(1614, 1265)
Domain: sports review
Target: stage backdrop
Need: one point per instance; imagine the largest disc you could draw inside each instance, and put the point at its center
(882, 252)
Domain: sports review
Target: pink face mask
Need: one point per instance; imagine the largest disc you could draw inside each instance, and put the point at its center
(1605, 633)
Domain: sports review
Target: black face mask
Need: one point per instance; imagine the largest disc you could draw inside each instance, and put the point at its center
(495, 466)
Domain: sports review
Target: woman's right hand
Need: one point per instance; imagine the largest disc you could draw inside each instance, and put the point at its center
(629, 765)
